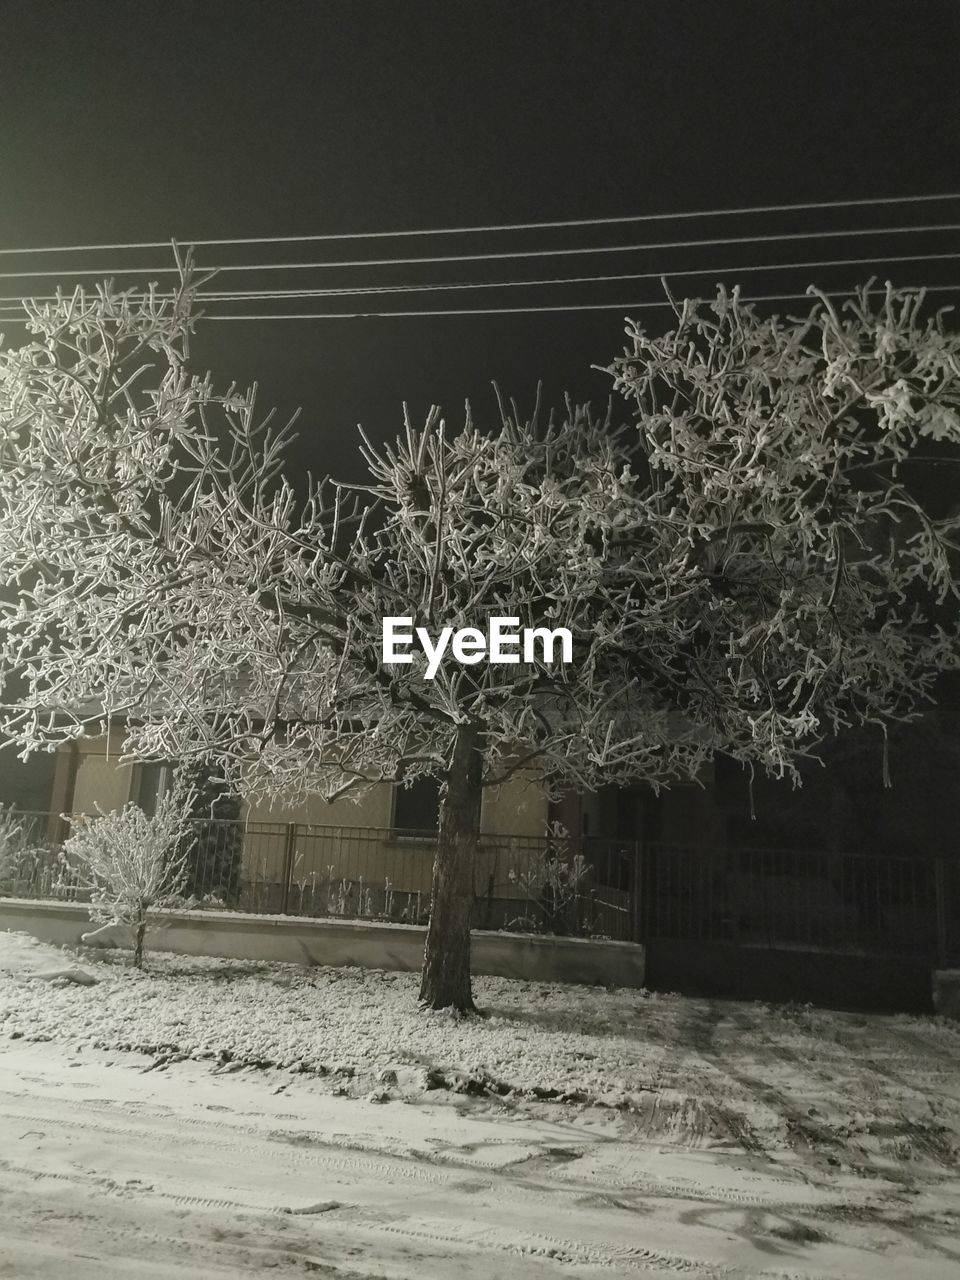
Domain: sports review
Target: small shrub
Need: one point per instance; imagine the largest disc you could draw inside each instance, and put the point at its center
(130, 862)
(552, 883)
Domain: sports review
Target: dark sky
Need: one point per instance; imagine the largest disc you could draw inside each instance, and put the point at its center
(129, 121)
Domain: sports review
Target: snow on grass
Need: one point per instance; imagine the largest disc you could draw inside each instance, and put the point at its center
(762, 1076)
(537, 1037)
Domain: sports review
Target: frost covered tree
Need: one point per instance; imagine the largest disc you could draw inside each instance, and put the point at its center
(130, 863)
(747, 570)
(806, 464)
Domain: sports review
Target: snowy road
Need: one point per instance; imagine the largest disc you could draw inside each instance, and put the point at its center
(111, 1170)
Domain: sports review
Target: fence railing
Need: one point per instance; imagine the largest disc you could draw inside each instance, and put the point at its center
(521, 883)
(586, 887)
(841, 902)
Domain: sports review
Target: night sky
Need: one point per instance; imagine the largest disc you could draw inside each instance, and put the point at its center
(130, 121)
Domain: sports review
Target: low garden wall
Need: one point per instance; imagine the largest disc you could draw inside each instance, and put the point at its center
(946, 992)
(830, 979)
(369, 945)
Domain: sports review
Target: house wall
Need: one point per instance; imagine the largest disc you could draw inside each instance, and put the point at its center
(689, 813)
(518, 807)
(97, 778)
(686, 813)
(346, 846)
(353, 839)
(99, 781)
(372, 808)
(346, 849)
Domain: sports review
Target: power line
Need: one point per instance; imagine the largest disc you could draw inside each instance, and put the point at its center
(499, 256)
(238, 295)
(593, 306)
(502, 226)
(494, 311)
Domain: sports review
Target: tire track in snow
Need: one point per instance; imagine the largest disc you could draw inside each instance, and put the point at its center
(291, 1152)
(538, 1245)
(438, 1169)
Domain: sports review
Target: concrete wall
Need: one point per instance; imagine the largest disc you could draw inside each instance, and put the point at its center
(334, 942)
(946, 993)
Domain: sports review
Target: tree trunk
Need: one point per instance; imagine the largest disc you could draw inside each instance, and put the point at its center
(445, 981)
(141, 929)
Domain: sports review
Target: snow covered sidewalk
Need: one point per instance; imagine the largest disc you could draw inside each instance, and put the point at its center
(573, 1128)
(111, 1171)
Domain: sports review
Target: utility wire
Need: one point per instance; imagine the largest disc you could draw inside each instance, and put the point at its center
(503, 226)
(489, 257)
(469, 311)
(238, 295)
(494, 311)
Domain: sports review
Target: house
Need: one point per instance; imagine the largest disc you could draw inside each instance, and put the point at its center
(372, 855)
(789, 905)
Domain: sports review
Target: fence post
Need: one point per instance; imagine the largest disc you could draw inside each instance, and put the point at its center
(288, 852)
(639, 933)
(940, 894)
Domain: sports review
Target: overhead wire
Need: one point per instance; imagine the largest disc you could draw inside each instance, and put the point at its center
(741, 211)
(479, 311)
(500, 255)
(241, 295)
(224, 295)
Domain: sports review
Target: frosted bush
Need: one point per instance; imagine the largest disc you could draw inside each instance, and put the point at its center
(130, 862)
(553, 882)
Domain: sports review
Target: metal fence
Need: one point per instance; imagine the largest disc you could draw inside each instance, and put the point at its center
(588, 887)
(849, 903)
(521, 883)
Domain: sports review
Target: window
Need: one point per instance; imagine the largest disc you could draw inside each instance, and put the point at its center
(150, 781)
(417, 808)
(28, 785)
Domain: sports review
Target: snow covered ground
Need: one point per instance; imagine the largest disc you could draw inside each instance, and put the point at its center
(186, 1122)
